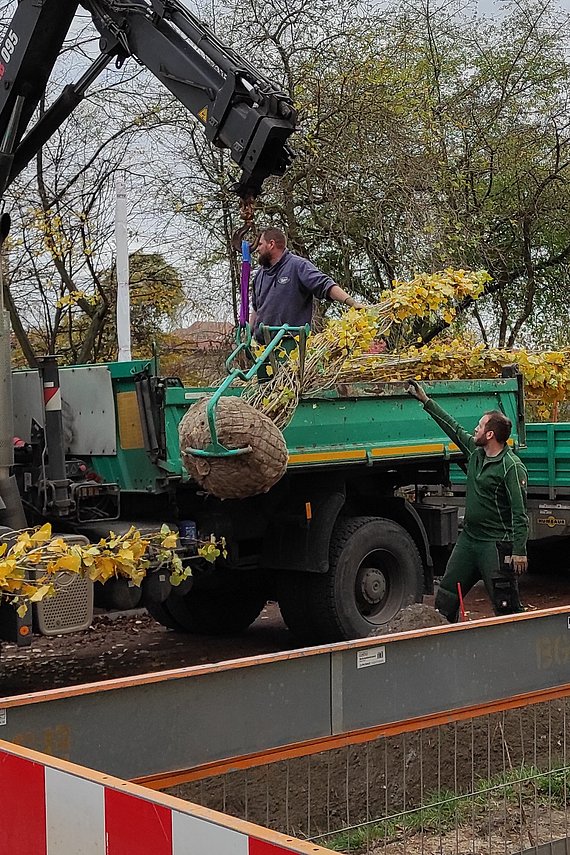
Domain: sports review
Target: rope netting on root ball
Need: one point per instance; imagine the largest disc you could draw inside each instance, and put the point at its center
(238, 426)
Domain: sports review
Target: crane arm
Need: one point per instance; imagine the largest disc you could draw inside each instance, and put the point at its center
(241, 110)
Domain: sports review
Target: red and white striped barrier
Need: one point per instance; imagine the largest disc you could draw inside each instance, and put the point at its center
(51, 807)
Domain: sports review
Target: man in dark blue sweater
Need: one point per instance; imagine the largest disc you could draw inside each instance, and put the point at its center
(286, 284)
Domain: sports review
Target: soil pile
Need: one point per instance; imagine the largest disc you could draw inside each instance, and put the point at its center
(416, 616)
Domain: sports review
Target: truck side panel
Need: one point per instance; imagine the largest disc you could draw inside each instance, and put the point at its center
(369, 424)
(547, 456)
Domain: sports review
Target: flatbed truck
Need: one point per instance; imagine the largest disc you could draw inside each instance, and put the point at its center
(349, 536)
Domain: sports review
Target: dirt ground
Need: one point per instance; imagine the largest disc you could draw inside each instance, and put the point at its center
(136, 644)
(495, 834)
(323, 794)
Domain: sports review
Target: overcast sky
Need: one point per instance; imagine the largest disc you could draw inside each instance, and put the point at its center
(493, 7)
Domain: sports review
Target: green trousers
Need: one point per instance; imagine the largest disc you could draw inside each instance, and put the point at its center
(470, 561)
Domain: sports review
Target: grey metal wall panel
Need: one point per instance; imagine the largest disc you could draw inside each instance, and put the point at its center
(147, 728)
(421, 676)
(157, 727)
(27, 398)
(88, 408)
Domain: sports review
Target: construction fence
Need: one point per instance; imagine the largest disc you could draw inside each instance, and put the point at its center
(51, 807)
(494, 782)
(445, 740)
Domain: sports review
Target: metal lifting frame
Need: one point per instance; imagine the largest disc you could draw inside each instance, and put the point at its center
(243, 344)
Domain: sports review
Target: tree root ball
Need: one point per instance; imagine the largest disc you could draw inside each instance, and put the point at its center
(238, 425)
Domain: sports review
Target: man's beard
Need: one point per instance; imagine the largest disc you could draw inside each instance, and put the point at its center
(482, 442)
(264, 259)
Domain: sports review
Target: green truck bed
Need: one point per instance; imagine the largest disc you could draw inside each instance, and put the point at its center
(369, 424)
(547, 456)
(366, 424)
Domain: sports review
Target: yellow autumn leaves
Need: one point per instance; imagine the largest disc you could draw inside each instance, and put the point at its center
(344, 351)
(53, 232)
(73, 298)
(426, 293)
(330, 354)
(424, 296)
(546, 373)
(31, 560)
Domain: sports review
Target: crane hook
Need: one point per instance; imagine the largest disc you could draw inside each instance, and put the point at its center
(247, 213)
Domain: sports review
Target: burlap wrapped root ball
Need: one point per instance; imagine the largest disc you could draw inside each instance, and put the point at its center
(238, 425)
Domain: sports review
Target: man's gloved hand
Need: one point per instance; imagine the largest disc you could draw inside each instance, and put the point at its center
(414, 389)
(520, 564)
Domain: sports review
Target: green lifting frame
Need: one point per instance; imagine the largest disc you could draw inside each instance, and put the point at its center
(273, 336)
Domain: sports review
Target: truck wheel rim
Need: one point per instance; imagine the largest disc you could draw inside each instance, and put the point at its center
(372, 588)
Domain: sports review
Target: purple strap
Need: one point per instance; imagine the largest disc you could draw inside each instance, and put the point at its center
(244, 285)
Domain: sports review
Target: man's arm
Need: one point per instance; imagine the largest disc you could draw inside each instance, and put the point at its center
(322, 286)
(515, 483)
(338, 295)
(447, 423)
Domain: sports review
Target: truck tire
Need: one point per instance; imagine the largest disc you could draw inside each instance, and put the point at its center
(210, 613)
(160, 613)
(375, 570)
(118, 594)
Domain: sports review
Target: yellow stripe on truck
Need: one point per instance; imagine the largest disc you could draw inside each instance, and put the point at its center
(392, 451)
(361, 454)
(397, 450)
(327, 456)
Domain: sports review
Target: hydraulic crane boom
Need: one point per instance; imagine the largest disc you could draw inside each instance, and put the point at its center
(241, 109)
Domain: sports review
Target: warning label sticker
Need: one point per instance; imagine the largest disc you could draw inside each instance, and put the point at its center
(372, 656)
(2, 717)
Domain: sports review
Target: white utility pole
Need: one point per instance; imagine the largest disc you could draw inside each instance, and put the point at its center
(123, 295)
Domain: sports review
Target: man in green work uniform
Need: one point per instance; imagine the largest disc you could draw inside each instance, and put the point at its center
(492, 545)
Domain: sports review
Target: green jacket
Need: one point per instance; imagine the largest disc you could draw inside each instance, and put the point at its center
(495, 500)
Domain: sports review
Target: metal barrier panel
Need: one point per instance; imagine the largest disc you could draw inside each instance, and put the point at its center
(147, 726)
(420, 674)
(158, 723)
(48, 807)
(445, 740)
